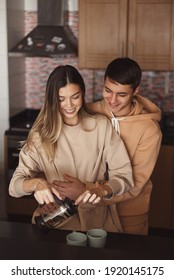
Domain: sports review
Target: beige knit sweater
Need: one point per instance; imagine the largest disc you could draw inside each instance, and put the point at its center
(81, 153)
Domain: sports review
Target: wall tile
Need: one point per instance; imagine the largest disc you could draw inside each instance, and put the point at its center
(4, 88)
(3, 66)
(3, 40)
(4, 109)
(2, 4)
(3, 26)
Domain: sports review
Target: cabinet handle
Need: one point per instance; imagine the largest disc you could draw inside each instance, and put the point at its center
(122, 49)
(132, 50)
(15, 155)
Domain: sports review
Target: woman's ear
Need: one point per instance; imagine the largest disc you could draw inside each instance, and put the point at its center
(137, 90)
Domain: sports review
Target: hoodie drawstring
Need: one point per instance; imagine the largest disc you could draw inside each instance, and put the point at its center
(115, 122)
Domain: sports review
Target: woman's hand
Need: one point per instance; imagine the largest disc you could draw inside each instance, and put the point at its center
(95, 194)
(42, 190)
(87, 196)
(43, 193)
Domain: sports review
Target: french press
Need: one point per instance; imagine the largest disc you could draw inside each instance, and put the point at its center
(57, 213)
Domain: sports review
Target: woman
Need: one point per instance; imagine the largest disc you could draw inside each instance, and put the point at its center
(66, 138)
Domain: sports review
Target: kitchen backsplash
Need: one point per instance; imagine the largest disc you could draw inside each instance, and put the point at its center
(156, 85)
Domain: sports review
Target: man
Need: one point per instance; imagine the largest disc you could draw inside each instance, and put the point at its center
(136, 120)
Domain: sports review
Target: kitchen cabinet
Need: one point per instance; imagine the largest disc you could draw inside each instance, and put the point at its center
(142, 30)
(162, 198)
(102, 32)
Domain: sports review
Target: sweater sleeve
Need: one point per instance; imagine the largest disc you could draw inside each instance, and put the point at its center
(117, 159)
(28, 167)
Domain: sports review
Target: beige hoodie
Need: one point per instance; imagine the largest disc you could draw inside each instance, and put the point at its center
(142, 136)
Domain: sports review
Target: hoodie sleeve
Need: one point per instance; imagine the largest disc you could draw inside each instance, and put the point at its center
(144, 159)
(146, 155)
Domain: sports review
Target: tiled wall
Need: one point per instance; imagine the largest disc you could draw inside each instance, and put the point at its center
(37, 72)
(157, 86)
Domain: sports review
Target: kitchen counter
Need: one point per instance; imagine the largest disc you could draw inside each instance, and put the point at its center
(26, 241)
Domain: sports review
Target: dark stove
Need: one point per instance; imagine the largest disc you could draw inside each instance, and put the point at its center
(20, 125)
(22, 122)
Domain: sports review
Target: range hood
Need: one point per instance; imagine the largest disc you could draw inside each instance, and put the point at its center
(51, 37)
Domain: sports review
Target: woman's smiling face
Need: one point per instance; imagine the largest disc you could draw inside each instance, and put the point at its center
(70, 102)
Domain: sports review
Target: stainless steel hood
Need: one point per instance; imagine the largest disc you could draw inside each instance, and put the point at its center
(51, 38)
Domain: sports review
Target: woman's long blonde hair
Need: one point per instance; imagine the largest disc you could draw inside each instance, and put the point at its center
(49, 121)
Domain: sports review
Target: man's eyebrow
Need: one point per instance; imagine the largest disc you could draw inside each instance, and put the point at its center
(123, 92)
(119, 92)
(107, 88)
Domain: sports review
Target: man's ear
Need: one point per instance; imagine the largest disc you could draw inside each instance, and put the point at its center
(137, 90)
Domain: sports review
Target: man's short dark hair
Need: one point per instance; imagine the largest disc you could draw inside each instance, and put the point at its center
(124, 71)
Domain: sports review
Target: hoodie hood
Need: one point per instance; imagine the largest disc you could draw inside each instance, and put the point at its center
(143, 109)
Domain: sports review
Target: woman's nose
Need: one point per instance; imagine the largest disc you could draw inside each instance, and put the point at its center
(69, 103)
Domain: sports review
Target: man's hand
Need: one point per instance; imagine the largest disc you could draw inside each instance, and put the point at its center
(71, 188)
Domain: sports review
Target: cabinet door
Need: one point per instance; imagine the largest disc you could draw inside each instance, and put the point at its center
(151, 33)
(163, 189)
(102, 32)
